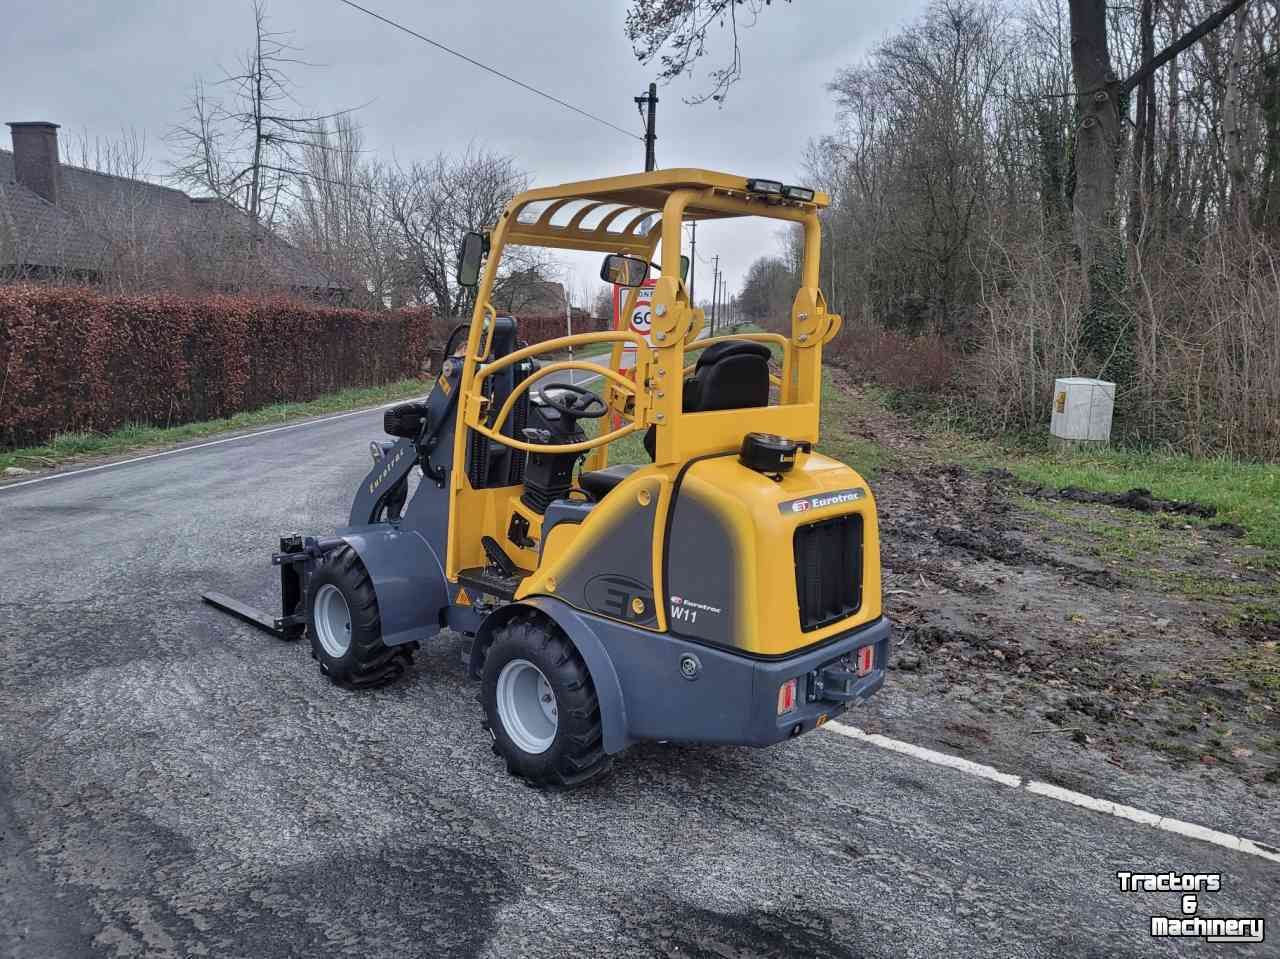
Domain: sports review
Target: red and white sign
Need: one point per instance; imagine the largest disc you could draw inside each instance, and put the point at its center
(640, 321)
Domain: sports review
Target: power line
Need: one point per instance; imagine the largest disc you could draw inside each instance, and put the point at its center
(482, 66)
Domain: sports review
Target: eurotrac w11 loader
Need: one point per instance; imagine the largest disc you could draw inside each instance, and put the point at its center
(726, 592)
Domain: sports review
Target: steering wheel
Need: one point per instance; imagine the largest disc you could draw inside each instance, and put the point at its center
(591, 409)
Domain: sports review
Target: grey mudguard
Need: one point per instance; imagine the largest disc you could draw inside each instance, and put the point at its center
(408, 580)
(613, 712)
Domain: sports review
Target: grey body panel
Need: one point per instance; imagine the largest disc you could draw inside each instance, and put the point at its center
(381, 480)
(563, 511)
(701, 569)
(408, 579)
(616, 568)
(733, 699)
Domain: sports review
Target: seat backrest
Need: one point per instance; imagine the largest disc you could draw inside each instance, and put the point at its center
(729, 376)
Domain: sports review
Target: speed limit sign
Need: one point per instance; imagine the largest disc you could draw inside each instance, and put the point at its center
(639, 321)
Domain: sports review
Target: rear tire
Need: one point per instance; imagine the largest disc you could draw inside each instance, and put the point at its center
(556, 743)
(345, 627)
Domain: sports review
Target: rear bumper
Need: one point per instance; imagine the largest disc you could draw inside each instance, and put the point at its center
(731, 699)
(816, 700)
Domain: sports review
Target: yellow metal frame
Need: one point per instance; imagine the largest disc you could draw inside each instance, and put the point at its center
(632, 214)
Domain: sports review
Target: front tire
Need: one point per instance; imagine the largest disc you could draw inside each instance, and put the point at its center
(345, 626)
(540, 706)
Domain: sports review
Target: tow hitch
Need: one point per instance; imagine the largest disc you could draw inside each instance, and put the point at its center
(834, 682)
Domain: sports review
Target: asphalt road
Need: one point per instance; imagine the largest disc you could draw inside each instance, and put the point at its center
(173, 783)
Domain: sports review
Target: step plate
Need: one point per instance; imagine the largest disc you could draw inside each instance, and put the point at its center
(485, 580)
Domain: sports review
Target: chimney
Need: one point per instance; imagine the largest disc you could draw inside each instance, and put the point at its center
(35, 157)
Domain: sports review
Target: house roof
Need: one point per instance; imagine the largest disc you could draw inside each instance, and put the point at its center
(95, 209)
(34, 232)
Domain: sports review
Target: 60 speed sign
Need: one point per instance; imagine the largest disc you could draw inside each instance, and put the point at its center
(640, 321)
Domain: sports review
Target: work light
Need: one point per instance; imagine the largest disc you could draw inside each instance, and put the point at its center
(772, 187)
(798, 193)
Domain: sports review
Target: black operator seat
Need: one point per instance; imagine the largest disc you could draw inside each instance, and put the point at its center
(730, 375)
(600, 483)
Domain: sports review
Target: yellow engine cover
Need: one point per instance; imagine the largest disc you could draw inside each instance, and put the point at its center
(720, 554)
(770, 566)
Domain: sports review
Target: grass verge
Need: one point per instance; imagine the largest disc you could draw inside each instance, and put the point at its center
(1247, 494)
(67, 447)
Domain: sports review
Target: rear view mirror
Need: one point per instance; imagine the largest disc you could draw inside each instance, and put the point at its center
(469, 258)
(624, 270)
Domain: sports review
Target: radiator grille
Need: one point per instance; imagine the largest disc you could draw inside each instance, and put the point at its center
(829, 570)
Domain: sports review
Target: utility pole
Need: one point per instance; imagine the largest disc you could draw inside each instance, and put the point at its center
(721, 311)
(650, 126)
(715, 293)
(693, 260)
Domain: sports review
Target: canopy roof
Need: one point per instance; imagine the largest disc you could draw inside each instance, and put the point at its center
(621, 213)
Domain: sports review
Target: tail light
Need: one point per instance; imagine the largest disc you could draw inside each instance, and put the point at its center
(787, 697)
(866, 659)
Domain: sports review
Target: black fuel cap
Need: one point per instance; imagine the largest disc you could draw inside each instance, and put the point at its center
(767, 453)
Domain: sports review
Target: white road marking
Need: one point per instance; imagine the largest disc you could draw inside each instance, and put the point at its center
(201, 446)
(1178, 826)
(928, 755)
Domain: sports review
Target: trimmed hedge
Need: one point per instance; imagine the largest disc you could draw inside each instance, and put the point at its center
(72, 359)
(536, 329)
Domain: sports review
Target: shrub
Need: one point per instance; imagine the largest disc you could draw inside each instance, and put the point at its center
(892, 359)
(72, 359)
(1206, 363)
(536, 329)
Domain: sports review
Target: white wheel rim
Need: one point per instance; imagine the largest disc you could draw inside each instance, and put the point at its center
(527, 706)
(333, 621)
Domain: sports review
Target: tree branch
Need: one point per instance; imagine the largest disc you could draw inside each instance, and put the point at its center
(1205, 27)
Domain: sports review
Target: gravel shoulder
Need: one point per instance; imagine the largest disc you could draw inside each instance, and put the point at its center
(1123, 652)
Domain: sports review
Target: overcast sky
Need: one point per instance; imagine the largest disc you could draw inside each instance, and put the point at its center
(117, 64)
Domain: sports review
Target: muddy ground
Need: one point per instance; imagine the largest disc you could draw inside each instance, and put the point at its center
(1129, 653)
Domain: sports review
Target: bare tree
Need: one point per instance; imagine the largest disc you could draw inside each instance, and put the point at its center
(134, 233)
(767, 291)
(431, 205)
(245, 146)
(602, 305)
(1234, 123)
(674, 32)
(340, 216)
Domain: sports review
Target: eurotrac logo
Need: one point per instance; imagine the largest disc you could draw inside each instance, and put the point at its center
(821, 501)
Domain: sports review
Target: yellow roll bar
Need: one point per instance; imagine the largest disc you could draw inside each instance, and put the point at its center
(632, 214)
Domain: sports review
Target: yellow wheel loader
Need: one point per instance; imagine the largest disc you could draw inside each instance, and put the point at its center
(726, 592)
